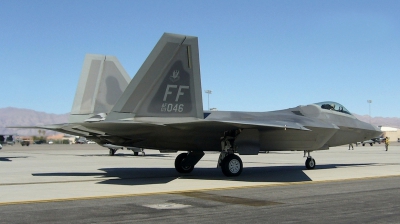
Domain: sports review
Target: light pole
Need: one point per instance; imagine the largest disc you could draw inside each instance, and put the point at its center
(208, 92)
(369, 103)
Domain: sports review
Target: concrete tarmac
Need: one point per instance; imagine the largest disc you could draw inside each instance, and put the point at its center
(64, 172)
(65, 175)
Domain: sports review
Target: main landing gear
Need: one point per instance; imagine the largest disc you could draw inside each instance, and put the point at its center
(180, 167)
(185, 162)
(230, 164)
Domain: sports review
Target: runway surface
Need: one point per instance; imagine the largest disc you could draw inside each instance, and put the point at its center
(81, 183)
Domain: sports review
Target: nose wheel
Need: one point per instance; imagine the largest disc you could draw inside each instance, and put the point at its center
(310, 163)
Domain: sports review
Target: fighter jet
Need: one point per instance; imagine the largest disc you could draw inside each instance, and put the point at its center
(162, 109)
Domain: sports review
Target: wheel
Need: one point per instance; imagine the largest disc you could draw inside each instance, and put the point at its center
(178, 161)
(310, 163)
(363, 144)
(111, 152)
(370, 144)
(232, 165)
(135, 153)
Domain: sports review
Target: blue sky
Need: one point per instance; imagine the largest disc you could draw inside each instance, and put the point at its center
(254, 55)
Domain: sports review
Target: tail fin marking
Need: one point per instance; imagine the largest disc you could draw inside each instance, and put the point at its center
(168, 83)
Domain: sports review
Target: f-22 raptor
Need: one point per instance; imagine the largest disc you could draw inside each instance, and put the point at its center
(162, 109)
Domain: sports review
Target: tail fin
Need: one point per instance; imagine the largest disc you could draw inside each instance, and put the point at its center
(102, 82)
(168, 83)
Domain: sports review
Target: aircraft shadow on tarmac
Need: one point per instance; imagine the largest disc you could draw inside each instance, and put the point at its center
(9, 159)
(129, 155)
(146, 176)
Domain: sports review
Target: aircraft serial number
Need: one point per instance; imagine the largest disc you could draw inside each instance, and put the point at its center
(170, 107)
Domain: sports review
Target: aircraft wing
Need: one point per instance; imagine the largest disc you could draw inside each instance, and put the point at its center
(229, 124)
(71, 129)
(52, 127)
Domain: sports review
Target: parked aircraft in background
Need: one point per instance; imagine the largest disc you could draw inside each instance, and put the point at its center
(372, 141)
(378, 140)
(7, 139)
(162, 109)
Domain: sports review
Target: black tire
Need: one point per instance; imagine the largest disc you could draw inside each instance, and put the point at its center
(370, 144)
(310, 163)
(178, 161)
(232, 165)
(135, 153)
(111, 152)
(363, 144)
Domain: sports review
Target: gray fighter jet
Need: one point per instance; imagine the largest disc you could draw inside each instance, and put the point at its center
(162, 109)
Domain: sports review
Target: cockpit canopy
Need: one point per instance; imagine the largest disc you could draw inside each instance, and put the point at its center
(329, 105)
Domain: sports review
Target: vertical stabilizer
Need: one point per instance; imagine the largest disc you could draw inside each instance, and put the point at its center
(102, 82)
(168, 83)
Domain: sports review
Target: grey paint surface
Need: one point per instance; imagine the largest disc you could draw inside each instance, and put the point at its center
(167, 84)
(102, 82)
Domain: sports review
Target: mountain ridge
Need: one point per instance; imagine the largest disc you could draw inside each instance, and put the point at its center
(12, 116)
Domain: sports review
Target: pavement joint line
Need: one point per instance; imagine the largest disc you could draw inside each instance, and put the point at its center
(52, 182)
(197, 190)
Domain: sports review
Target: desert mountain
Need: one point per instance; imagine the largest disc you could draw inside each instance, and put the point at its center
(393, 122)
(11, 116)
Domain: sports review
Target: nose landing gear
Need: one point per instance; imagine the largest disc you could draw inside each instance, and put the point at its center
(310, 162)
